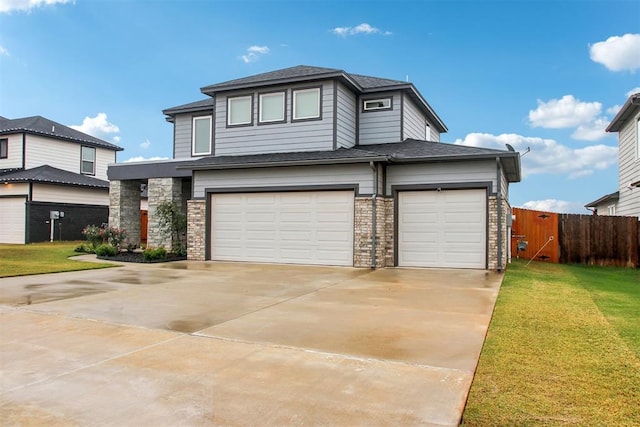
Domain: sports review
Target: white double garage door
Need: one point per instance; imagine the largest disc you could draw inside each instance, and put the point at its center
(435, 228)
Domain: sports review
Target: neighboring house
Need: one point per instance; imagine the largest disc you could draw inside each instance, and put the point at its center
(300, 165)
(46, 167)
(625, 201)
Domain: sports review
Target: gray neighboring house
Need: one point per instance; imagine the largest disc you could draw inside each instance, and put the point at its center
(310, 165)
(44, 167)
(625, 201)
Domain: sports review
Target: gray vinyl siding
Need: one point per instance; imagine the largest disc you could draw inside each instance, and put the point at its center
(311, 135)
(183, 123)
(629, 168)
(415, 123)
(300, 176)
(346, 117)
(442, 173)
(380, 127)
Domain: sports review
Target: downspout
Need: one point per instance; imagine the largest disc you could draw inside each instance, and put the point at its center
(499, 204)
(374, 215)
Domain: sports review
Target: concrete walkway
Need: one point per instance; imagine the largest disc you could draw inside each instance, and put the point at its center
(190, 343)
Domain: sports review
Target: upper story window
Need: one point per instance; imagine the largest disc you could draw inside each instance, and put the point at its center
(4, 148)
(306, 104)
(239, 110)
(638, 140)
(201, 136)
(88, 161)
(427, 132)
(376, 104)
(271, 107)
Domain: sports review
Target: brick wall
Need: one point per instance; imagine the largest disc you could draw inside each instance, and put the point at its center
(196, 231)
(363, 229)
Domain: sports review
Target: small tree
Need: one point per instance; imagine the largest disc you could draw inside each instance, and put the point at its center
(173, 222)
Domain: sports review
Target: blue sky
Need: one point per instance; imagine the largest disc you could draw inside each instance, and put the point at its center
(548, 75)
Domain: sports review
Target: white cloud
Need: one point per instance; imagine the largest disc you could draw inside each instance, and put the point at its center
(633, 91)
(563, 113)
(98, 126)
(253, 53)
(612, 111)
(116, 139)
(548, 156)
(592, 131)
(146, 144)
(144, 159)
(363, 28)
(3, 51)
(618, 53)
(553, 205)
(27, 5)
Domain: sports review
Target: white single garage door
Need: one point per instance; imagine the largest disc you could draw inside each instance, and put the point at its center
(442, 228)
(12, 219)
(289, 227)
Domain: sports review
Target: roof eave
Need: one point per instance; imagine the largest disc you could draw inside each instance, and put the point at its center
(64, 138)
(625, 112)
(251, 165)
(613, 197)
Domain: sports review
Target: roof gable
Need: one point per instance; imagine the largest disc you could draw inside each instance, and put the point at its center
(39, 125)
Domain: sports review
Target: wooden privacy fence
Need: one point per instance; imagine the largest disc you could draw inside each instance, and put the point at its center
(571, 238)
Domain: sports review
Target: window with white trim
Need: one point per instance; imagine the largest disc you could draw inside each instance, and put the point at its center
(638, 140)
(611, 210)
(427, 132)
(88, 161)
(306, 104)
(239, 110)
(377, 104)
(201, 136)
(271, 107)
(4, 148)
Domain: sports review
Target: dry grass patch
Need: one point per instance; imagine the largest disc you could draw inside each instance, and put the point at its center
(551, 357)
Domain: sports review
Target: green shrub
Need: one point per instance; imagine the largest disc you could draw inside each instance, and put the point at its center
(106, 250)
(83, 249)
(93, 235)
(150, 254)
(104, 234)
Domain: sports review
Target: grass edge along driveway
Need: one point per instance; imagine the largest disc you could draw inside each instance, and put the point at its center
(39, 258)
(563, 348)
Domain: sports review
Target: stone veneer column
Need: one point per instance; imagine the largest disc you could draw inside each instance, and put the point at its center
(161, 190)
(363, 228)
(124, 209)
(493, 233)
(196, 230)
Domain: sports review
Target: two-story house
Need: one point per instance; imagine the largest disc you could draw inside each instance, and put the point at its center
(53, 180)
(625, 201)
(310, 165)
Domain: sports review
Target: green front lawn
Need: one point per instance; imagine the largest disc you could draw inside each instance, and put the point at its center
(563, 348)
(38, 258)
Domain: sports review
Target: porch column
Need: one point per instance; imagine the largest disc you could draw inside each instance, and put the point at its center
(162, 190)
(124, 209)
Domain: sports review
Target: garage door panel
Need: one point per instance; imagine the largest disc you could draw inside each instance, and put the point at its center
(442, 228)
(295, 227)
(12, 219)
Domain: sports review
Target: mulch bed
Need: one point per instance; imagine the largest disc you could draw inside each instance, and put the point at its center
(137, 257)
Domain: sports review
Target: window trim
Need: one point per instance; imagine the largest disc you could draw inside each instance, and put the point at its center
(232, 98)
(382, 99)
(82, 160)
(427, 129)
(611, 210)
(193, 134)
(284, 107)
(6, 148)
(638, 139)
(293, 103)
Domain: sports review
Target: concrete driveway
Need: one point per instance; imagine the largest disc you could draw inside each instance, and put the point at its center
(190, 343)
